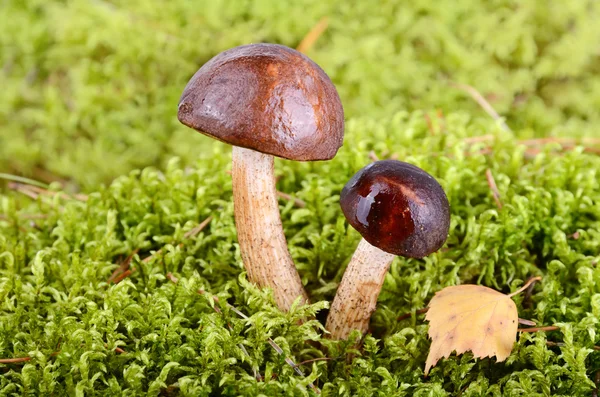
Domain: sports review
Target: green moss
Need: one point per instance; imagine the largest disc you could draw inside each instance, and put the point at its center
(57, 307)
(89, 88)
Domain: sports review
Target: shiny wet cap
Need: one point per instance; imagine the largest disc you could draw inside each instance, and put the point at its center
(398, 208)
(266, 97)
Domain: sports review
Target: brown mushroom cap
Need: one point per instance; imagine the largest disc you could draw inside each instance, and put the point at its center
(398, 208)
(266, 97)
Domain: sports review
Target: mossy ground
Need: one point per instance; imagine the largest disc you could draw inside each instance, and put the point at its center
(89, 94)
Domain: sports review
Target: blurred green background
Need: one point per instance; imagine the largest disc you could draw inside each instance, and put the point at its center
(90, 87)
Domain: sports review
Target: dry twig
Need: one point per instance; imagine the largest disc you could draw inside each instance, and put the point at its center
(539, 329)
(409, 315)
(528, 283)
(429, 124)
(20, 360)
(373, 156)
(14, 360)
(194, 232)
(478, 139)
(314, 359)
(482, 102)
(46, 192)
(527, 322)
(531, 284)
(562, 140)
(123, 267)
(313, 35)
(17, 187)
(492, 184)
(34, 192)
(297, 201)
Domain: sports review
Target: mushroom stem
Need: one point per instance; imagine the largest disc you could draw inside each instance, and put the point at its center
(357, 294)
(260, 233)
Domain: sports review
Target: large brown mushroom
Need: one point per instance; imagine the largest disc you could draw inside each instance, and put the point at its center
(399, 209)
(266, 100)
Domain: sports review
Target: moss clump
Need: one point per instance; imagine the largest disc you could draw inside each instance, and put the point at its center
(57, 253)
(89, 89)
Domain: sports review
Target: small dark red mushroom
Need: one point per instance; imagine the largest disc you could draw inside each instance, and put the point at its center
(266, 100)
(399, 209)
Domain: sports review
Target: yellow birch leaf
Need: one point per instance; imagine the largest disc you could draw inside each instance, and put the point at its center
(471, 318)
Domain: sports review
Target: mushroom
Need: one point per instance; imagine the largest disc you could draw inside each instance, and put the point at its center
(399, 209)
(265, 100)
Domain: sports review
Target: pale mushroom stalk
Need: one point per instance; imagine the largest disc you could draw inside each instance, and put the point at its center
(262, 243)
(356, 296)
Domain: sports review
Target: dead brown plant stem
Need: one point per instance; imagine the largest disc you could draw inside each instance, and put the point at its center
(539, 329)
(20, 360)
(526, 322)
(313, 35)
(559, 344)
(492, 184)
(124, 266)
(585, 149)
(46, 192)
(442, 118)
(543, 141)
(429, 124)
(373, 156)
(14, 360)
(533, 145)
(33, 216)
(409, 315)
(477, 139)
(35, 191)
(315, 359)
(195, 231)
(297, 201)
(525, 286)
(47, 176)
(122, 276)
(528, 293)
(485, 105)
(17, 187)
